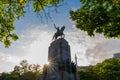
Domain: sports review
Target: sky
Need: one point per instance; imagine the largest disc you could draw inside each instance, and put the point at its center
(35, 35)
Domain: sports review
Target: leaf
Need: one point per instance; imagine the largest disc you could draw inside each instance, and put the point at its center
(7, 43)
(14, 37)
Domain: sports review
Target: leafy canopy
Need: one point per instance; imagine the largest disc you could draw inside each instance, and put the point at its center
(23, 71)
(107, 70)
(98, 16)
(10, 10)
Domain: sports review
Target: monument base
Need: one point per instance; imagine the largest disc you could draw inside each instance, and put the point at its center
(61, 67)
(62, 75)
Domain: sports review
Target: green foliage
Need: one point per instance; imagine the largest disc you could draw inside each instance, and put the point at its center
(107, 70)
(100, 16)
(30, 76)
(23, 71)
(87, 75)
(10, 10)
(24, 67)
(9, 76)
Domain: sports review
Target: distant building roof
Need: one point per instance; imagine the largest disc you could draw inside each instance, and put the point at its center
(116, 55)
(83, 68)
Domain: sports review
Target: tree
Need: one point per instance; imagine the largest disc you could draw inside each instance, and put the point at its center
(23, 71)
(25, 67)
(9, 76)
(27, 71)
(107, 70)
(100, 16)
(87, 75)
(10, 10)
(30, 76)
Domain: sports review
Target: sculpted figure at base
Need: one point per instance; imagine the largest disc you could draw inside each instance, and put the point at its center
(59, 32)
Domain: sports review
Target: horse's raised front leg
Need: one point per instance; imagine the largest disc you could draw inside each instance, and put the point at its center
(53, 37)
(56, 37)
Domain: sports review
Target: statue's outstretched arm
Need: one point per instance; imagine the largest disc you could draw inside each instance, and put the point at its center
(55, 26)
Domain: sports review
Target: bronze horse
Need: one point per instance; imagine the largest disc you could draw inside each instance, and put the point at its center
(59, 32)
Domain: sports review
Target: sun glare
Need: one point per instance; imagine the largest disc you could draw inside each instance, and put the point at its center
(48, 63)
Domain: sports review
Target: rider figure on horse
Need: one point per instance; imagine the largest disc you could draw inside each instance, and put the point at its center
(59, 32)
(57, 28)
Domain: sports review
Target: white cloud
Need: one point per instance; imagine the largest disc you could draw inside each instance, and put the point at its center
(105, 48)
(7, 62)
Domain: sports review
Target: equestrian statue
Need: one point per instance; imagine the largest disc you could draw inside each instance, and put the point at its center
(59, 32)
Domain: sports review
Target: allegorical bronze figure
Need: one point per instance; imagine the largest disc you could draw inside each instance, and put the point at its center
(59, 32)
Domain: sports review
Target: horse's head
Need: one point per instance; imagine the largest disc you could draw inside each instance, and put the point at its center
(62, 28)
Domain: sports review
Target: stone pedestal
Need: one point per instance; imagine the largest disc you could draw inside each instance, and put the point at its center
(59, 49)
(60, 66)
